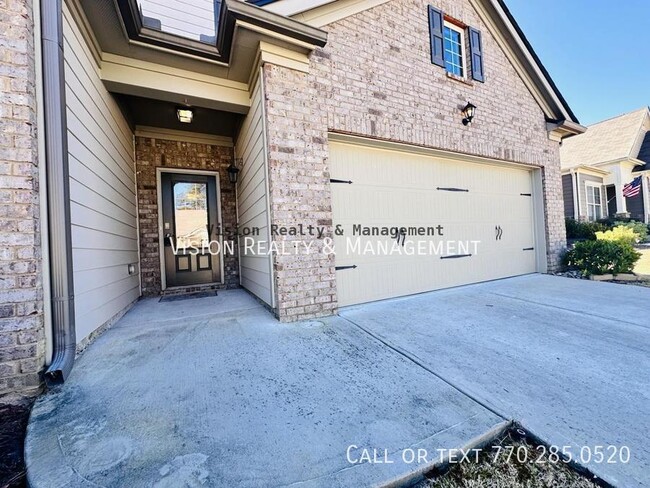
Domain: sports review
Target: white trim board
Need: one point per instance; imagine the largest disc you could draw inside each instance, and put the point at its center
(183, 136)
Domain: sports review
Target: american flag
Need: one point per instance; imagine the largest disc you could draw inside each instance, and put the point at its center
(633, 188)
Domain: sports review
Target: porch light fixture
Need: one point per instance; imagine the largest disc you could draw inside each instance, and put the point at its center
(185, 115)
(233, 172)
(468, 113)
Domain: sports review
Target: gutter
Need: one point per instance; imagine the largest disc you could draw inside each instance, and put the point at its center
(58, 193)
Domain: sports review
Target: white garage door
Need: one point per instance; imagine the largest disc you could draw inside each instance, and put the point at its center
(464, 222)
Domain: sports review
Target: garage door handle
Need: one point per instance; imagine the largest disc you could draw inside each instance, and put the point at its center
(340, 268)
(456, 256)
(528, 249)
(452, 189)
(526, 194)
(334, 180)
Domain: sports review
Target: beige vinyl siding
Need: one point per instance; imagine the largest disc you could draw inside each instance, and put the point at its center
(102, 190)
(252, 200)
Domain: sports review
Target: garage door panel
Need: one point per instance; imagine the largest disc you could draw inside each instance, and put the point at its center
(400, 189)
(387, 205)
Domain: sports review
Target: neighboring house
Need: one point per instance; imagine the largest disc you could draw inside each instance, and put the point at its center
(328, 114)
(598, 164)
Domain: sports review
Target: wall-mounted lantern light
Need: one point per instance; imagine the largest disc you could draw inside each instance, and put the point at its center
(185, 115)
(468, 113)
(233, 172)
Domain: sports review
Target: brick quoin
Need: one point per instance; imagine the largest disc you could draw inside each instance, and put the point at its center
(22, 339)
(374, 78)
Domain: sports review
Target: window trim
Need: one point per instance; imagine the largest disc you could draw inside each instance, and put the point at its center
(599, 186)
(463, 40)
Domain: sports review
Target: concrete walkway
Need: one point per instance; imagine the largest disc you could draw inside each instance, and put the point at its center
(215, 392)
(568, 358)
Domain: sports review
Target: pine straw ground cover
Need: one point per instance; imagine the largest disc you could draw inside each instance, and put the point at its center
(492, 471)
(13, 424)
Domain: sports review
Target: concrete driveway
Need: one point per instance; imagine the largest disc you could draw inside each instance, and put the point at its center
(215, 392)
(569, 359)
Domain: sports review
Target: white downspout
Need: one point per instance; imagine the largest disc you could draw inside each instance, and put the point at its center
(646, 198)
(621, 204)
(577, 193)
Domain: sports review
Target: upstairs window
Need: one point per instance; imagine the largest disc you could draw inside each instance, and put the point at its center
(448, 46)
(454, 50)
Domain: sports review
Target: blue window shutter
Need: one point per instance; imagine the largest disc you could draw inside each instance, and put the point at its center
(435, 32)
(476, 54)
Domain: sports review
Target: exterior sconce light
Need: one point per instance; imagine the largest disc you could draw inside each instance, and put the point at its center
(185, 115)
(468, 113)
(233, 172)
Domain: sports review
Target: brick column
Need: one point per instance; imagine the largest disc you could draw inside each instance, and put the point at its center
(296, 125)
(554, 210)
(22, 341)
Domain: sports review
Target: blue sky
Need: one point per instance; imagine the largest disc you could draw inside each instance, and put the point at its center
(597, 51)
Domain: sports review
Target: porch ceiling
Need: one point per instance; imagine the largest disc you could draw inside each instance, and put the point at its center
(156, 113)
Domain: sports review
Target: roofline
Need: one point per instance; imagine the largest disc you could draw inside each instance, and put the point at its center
(260, 3)
(640, 135)
(584, 167)
(548, 95)
(276, 22)
(608, 119)
(538, 61)
(596, 166)
(232, 12)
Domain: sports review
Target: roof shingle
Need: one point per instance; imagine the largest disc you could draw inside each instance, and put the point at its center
(605, 141)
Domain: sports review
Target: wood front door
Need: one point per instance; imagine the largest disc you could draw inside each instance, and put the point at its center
(190, 223)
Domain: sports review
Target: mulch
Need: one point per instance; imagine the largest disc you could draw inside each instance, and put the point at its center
(13, 424)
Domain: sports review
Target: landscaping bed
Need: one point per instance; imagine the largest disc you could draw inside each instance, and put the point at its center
(529, 465)
(13, 424)
(617, 253)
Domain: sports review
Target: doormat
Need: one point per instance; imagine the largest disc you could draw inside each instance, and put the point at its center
(188, 296)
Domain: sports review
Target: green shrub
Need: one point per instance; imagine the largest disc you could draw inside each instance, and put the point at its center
(601, 257)
(639, 228)
(582, 230)
(619, 233)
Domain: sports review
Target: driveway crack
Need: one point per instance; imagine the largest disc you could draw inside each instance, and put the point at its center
(578, 312)
(414, 359)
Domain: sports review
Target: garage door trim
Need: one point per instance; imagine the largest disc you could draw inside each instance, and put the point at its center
(538, 217)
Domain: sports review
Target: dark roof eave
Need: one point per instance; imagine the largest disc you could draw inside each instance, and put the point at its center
(278, 23)
(538, 61)
(565, 128)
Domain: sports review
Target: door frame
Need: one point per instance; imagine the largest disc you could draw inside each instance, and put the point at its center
(159, 172)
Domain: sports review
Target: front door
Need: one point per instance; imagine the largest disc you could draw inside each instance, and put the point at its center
(190, 222)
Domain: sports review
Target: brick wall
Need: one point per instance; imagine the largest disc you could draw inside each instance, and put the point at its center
(374, 78)
(305, 285)
(154, 153)
(21, 294)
